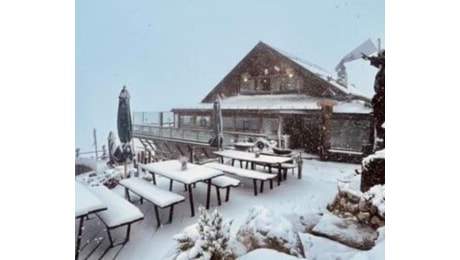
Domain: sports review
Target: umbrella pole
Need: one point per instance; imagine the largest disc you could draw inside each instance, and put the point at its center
(126, 166)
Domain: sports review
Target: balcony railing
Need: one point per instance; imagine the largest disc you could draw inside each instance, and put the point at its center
(198, 135)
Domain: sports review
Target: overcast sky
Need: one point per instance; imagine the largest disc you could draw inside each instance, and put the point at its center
(172, 53)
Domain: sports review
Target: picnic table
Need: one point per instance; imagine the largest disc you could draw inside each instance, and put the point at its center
(270, 161)
(194, 173)
(85, 203)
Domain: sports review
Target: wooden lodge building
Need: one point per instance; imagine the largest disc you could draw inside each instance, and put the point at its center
(267, 94)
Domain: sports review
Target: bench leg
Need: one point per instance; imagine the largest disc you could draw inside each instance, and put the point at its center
(227, 196)
(190, 197)
(171, 213)
(80, 230)
(285, 174)
(299, 173)
(208, 194)
(241, 164)
(269, 169)
(233, 162)
(255, 187)
(110, 238)
(185, 187)
(157, 215)
(127, 194)
(127, 233)
(142, 200)
(170, 185)
(218, 195)
(271, 184)
(279, 175)
(154, 179)
(262, 186)
(247, 164)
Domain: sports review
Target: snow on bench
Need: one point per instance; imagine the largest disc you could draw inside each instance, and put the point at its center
(119, 211)
(245, 173)
(157, 196)
(224, 182)
(152, 193)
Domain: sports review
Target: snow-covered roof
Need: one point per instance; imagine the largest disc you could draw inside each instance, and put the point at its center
(322, 73)
(283, 102)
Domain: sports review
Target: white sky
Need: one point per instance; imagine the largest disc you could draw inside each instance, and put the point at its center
(173, 54)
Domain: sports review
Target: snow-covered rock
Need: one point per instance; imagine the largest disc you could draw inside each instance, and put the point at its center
(346, 231)
(264, 228)
(367, 208)
(303, 222)
(265, 254)
(377, 252)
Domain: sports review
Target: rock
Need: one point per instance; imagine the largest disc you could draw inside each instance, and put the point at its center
(363, 205)
(374, 210)
(352, 207)
(266, 254)
(343, 203)
(348, 215)
(377, 221)
(363, 216)
(303, 222)
(264, 228)
(346, 231)
(354, 197)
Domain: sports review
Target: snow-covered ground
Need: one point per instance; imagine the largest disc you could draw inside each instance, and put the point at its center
(312, 193)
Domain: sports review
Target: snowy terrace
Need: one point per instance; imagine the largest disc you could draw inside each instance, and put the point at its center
(311, 194)
(278, 104)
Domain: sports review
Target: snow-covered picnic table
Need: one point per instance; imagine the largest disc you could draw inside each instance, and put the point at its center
(172, 170)
(253, 158)
(85, 203)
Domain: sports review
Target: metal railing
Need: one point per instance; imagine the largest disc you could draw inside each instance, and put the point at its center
(199, 135)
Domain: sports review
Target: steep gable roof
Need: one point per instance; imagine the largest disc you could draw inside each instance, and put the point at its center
(319, 82)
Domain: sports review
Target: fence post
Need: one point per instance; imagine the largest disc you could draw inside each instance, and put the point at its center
(77, 152)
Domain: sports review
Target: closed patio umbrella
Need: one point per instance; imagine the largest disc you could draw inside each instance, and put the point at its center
(218, 138)
(124, 124)
(125, 127)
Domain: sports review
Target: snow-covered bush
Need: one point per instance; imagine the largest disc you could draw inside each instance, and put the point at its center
(108, 178)
(376, 196)
(264, 228)
(373, 170)
(207, 240)
(372, 157)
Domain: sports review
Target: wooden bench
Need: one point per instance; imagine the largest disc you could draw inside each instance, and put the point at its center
(245, 173)
(224, 182)
(158, 197)
(295, 163)
(119, 212)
